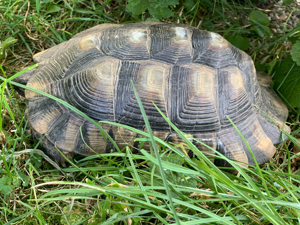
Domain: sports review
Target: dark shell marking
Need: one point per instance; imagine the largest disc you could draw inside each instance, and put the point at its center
(195, 77)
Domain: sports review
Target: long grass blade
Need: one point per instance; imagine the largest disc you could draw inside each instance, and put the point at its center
(149, 130)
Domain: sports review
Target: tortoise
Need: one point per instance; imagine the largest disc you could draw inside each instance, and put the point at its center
(195, 77)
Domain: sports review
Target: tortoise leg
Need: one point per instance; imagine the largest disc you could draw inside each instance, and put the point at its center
(51, 150)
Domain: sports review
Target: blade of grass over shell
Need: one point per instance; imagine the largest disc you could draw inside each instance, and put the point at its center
(200, 155)
(167, 145)
(169, 165)
(149, 130)
(92, 150)
(145, 153)
(159, 141)
(223, 178)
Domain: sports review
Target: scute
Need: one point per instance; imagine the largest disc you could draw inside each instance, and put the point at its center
(193, 99)
(170, 44)
(196, 78)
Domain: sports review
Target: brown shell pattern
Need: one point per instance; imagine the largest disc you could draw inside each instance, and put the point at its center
(195, 77)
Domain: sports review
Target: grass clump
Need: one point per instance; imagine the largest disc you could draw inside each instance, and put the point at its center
(128, 188)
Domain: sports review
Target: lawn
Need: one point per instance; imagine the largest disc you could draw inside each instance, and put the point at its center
(165, 185)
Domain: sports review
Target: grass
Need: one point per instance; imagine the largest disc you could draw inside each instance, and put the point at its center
(166, 187)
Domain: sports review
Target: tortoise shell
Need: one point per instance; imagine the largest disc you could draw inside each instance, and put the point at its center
(195, 77)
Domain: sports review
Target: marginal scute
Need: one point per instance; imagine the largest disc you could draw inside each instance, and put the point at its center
(38, 86)
(263, 79)
(48, 53)
(64, 129)
(90, 141)
(38, 56)
(262, 141)
(176, 139)
(270, 129)
(238, 153)
(231, 145)
(261, 146)
(196, 78)
(124, 137)
(42, 117)
(94, 30)
(209, 139)
(159, 134)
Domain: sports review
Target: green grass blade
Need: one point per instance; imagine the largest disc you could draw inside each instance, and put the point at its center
(149, 130)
